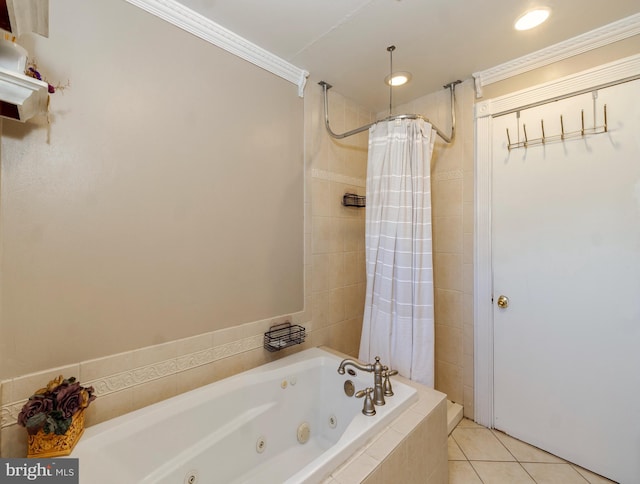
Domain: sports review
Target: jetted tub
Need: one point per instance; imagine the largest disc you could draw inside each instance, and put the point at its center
(288, 421)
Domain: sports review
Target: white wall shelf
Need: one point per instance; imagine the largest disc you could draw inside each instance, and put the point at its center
(21, 97)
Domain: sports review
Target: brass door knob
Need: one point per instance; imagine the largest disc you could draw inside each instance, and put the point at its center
(503, 302)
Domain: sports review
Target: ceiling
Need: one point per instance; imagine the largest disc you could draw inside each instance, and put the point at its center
(344, 42)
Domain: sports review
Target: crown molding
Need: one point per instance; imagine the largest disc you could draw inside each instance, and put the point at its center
(206, 29)
(613, 32)
(621, 70)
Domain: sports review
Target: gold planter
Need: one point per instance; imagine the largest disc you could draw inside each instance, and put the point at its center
(52, 445)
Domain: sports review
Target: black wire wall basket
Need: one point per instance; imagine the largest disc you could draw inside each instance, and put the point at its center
(284, 335)
(354, 200)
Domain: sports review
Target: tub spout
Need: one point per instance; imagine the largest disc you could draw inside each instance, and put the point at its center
(355, 364)
(376, 368)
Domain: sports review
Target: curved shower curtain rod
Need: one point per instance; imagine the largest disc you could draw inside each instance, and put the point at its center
(448, 139)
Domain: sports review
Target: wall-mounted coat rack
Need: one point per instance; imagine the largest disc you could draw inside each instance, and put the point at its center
(558, 137)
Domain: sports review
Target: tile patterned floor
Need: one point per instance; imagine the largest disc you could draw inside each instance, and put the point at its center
(478, 455)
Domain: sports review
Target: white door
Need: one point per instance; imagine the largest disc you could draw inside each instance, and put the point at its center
(566, 254)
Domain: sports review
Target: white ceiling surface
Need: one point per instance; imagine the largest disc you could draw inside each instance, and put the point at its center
(344, 42)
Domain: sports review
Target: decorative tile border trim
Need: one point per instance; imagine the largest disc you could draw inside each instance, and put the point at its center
(361, 182)
(9, 413)
(336, 177)
(138, 376)
(447, 175)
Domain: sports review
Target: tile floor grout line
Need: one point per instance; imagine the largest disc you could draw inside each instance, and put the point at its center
(563, 462)
(466, 457)
(503, 445)
(527, 472)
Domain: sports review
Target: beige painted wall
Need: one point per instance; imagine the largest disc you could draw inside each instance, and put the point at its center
(333, 287)
(164, 199)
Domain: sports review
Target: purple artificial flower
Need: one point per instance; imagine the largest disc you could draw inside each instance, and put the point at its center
(69, 399)
(34, 406)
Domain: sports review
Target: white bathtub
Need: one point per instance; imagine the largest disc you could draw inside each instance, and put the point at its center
(243, 429)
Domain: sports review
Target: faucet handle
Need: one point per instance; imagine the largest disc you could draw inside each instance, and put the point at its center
(368, 408)
(386, 385)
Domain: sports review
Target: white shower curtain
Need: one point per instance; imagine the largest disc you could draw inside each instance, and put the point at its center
(398, 320)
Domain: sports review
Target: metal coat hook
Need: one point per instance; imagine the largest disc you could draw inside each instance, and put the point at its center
(583, 131)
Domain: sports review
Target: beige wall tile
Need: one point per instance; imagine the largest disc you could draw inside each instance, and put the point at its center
(154, 354)
(336, 304)
(447, 234)
(320, 198)
(440, 475)
(321, 309)
(154, 391)
(354, 301)
(336, 243)
(467, 371)
(385, 443)
(448, 344)
(352, 234)
(467, 278)
(195, 378)
(228, 366)
(448, 307)
(336, 270)
(101, 367)
(352, 268)
(449, 380)
(25, 386)
(357, 470)
(109, 406)
(200, 342)
(448, 271)
(467, 248)
(14, 442)
(321, 234)
(447, 198)
(320, 272)
(6, 391)
(468, 402)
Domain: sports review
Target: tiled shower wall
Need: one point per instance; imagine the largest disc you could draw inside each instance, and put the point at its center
(452, 180)
(337, 249)
(333, 306)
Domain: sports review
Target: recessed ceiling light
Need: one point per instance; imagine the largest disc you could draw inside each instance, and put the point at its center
(532, 18)
(398, 79)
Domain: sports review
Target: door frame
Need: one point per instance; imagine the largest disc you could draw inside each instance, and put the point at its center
(606, 75)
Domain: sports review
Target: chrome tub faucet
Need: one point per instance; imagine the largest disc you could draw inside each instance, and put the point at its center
(376, 368)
